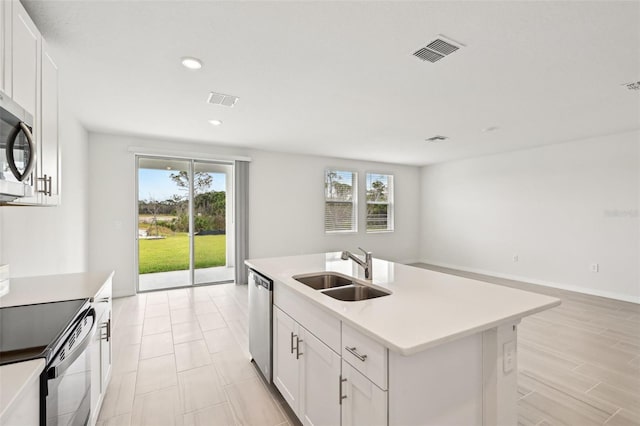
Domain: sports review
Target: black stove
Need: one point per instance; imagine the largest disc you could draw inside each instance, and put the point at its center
(34, 331)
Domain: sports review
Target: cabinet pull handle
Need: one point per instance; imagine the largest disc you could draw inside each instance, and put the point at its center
(46, 184)
(355, 353)
(298, 353)
(292, 336)
(340, 396)
(108, 329)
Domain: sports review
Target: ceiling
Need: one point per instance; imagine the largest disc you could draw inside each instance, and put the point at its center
(339, 78)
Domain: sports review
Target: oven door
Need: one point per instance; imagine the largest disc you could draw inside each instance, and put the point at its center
(67, 379)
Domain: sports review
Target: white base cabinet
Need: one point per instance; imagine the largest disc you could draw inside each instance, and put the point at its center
(364, 403)
(100, 350)
(306, 371)
(330, 373)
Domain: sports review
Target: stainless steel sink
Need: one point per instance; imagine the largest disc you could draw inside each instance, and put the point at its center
(356, 292)
(323, 280)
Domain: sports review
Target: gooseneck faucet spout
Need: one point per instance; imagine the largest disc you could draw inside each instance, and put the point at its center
(367, 265)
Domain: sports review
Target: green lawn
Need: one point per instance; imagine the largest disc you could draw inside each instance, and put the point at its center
(172, 253)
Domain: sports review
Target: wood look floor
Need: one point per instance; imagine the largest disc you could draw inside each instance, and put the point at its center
(181, 358)
(579, 363)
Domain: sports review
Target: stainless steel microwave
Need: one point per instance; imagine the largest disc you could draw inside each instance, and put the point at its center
(17, 151)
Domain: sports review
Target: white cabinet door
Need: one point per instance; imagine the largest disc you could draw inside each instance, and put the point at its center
(4, 29)
(105, 352)
(48, 172)
(24, 64)
(286, 373)
(365, 403)
(320, 381)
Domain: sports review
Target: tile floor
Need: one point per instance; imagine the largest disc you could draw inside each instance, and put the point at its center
(181, 358)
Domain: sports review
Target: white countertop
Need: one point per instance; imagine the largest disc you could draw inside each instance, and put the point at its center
(425, 309)
(14, 379)
(53, 288)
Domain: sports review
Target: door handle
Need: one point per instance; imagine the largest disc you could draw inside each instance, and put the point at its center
(340, 396)
(298, 353)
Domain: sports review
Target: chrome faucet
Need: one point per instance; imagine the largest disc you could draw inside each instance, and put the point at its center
(367, 264)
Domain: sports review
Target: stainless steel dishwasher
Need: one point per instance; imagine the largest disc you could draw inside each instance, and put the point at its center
(260, 321)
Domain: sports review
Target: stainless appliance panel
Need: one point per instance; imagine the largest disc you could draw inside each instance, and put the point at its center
(260, 322)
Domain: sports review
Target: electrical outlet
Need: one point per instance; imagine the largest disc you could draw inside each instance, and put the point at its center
(509, 356)
(595, 267)
(515, 258)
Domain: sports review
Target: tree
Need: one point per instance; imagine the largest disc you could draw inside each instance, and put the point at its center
(201, 183)
(378, 191)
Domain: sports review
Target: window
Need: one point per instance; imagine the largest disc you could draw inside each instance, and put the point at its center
(379, 202)
(340, 201)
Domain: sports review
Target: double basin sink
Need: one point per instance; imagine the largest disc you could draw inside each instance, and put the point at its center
(340, 286)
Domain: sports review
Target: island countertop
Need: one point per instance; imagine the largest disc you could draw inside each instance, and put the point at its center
(53, 288)
(426, 308)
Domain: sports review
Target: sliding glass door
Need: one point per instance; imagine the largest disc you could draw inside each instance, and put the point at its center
(185, 231)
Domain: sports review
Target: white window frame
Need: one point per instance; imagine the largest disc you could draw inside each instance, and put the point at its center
(390, 203)
(354, 201)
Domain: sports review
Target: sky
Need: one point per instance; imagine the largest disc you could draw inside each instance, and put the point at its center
(157, 184)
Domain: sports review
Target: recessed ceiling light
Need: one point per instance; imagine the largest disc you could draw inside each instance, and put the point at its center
(215, 122)
(192, 63)
(168, 167)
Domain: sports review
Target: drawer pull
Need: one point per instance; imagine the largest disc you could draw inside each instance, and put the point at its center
(292, 336)
(355, 353)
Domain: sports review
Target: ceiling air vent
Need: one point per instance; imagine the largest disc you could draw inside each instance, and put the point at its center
(437, 49)
(436, 138)
(220, 99)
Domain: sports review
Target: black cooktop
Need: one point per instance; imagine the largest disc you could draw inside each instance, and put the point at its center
(32, 331)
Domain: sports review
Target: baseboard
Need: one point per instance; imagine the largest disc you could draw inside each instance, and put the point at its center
(569, 287)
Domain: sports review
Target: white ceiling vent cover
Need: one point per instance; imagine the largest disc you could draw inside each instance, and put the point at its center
(437, 49)
(221, 99)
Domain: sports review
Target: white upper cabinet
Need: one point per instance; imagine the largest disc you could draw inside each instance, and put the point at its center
(29, 75)
(4, 28)
(48, 184)
(24, 58)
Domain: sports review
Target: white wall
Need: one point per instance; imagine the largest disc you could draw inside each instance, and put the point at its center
(286, 205)
(52, 240)
(559, 208)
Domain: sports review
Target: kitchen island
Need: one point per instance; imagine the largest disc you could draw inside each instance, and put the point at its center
(440, 349)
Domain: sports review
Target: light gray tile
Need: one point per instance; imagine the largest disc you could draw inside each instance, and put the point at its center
(159, 408)
(191, 355)
(156, 373)
(217, 415)
(252, 404)
(154, 345)
(186, 332)
(211, 321)
(183, 315)
(219, 340)
(199, 388)
(233, 366)
(156, 325)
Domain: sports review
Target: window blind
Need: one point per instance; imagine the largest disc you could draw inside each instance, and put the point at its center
(340, 207)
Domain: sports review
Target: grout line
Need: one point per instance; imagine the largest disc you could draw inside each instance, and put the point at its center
(592, 387)
(610, 417)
